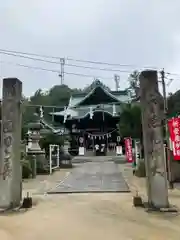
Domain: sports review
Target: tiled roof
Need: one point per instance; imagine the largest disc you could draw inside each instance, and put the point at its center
(76, 102)
(122, 96)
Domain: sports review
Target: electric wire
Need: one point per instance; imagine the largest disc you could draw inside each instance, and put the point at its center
(77, 60)
(54, 70)
(27, 56)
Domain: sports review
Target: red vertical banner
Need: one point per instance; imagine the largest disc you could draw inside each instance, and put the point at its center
(128, 149)
(174, 130)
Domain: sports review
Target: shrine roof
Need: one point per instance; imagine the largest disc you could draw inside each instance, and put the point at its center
(98, 95)
(115, 93)
(99, 99)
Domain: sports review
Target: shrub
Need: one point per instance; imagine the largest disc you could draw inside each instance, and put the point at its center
(41, 165)
(141, 171)
(26, 168)
(50, 138)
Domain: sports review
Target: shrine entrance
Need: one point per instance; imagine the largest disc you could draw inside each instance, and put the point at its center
(92, 121)
(101, 144)
(97, 143)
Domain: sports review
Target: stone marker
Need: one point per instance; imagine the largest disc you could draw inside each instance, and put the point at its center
(153, 140)
(10, 169)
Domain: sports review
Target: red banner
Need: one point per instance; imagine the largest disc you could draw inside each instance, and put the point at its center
(128, 149)
(174, 130)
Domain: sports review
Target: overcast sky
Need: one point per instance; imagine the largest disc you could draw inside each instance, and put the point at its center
(127, 32)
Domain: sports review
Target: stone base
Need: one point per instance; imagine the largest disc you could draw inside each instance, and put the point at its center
(137, 201)
(150, 208)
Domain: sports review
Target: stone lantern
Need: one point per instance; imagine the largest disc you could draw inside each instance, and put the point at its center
(33, 148)
(33, 138)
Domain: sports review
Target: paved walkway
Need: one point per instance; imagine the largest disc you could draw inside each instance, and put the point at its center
(97, 176)
(89, 216)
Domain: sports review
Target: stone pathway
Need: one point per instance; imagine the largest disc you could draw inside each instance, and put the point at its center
(98, 176)
(89, 216)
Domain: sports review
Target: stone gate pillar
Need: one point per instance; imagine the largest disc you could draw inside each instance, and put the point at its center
(150, 99)
(10, 169)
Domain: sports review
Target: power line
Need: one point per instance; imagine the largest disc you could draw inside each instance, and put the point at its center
(101, 69)
(78, 60)
(30, 58)
(69, 65)
(30, 67)
(30, 54)
(109, 64)
(20, 54)
(53, 70)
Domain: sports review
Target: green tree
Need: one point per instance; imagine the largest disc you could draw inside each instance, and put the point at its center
(174, 104)
(48, 139)
(130, 122)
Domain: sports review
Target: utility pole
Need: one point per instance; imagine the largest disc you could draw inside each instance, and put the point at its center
(168, 161)
(61, 75)
(117, 80)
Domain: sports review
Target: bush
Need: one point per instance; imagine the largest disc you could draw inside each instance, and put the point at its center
(41, 165)
(50, 138)
(26, 168)
(141, 170)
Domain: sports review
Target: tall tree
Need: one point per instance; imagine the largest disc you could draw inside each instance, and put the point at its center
(130, 122)
(174, 104)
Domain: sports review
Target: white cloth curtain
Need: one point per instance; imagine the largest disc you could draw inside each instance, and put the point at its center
(65, 114)
(114, 109)
(91, 113)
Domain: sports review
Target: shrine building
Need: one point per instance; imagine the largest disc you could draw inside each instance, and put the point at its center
(92, 120)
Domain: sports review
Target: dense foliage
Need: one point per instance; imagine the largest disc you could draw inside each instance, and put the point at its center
(57, 96)
(130, 122)
(50, 139)
(174, 104)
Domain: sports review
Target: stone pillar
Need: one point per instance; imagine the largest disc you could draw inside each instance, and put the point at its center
(11, 176)
(153, 140)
